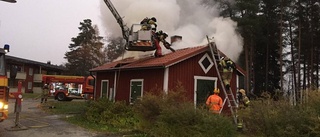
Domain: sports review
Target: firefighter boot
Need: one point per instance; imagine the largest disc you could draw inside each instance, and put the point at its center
(240, 125)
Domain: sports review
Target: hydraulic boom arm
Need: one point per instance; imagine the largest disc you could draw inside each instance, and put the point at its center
(124, 28)
(136, 38)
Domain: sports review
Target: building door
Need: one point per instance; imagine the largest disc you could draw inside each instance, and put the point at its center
(104, 89)
(204, 87)
(135, 90)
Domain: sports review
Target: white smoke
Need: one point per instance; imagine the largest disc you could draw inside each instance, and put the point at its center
(186, 18)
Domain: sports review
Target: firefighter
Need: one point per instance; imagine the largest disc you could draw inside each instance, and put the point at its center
(149, 23)
(243, 99)
(243, 103)
(161, 36)
(45, 93)
(227, 69)
(214, 102)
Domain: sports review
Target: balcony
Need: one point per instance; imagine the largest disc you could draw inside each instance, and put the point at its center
(20, 75)
(37, 78)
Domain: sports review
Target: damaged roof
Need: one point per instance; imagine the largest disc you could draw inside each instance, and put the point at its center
(156, 62)
(148, 62)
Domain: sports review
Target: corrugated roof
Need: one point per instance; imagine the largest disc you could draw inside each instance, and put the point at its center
(164, 61)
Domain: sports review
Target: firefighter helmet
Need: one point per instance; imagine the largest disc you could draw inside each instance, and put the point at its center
(45, 86)
(242, 91)
(216, 90)
(154, 19)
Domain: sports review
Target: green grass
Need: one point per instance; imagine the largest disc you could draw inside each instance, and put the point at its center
(74, 112)
(159, 117)
(31, 95)
(64, 107)
(79, 120)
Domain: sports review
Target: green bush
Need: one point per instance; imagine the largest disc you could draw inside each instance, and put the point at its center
(111, 114)
(280, 118)
(171, 115)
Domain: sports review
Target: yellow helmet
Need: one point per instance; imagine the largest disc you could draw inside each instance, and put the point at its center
(242, 91)
(216, 90)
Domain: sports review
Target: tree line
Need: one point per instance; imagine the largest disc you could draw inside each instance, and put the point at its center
(87, 50)
(281, 43)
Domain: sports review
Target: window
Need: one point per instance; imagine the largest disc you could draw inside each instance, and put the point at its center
(18, 67)
(104, 88)
(205, 63)
(2, 65)
(29, 85)
(30, 71)
(136, 90)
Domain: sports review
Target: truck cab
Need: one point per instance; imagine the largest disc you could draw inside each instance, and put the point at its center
(67, 88)
(4, 90)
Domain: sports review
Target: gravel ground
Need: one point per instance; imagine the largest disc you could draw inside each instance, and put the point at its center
(35, 123)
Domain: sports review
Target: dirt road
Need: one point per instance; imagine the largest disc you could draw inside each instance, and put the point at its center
(35, 123)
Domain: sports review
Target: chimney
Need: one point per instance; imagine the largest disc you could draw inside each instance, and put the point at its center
(49, 62)
(175, 38)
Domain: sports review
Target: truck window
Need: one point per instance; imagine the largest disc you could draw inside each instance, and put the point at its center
(91, 82)
(2, 65)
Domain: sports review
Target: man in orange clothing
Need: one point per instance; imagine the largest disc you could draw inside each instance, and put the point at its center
(214, 102)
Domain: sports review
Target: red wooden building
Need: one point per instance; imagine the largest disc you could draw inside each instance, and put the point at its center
(130, 78)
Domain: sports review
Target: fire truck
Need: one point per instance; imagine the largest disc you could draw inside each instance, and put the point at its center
(67, 88)
(4, 90)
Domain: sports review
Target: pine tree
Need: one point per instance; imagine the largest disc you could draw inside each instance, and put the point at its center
(115, 48)
(85, 51)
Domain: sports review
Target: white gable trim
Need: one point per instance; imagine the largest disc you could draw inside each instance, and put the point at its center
(205, 56)
(166, 80)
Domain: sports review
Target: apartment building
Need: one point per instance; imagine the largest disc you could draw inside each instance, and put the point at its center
(30, 73)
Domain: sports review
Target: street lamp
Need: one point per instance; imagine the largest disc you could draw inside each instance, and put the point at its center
(11, 1)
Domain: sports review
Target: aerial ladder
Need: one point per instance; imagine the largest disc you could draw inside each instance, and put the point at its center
(229, 97)
(136, 39)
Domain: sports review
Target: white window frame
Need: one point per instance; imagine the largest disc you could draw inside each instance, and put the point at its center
(206, 70)
(136, 80)
(107, 96)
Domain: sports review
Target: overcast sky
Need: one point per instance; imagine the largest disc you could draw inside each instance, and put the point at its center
(41, 30)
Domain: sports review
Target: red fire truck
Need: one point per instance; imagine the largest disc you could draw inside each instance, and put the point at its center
(67, 88)
(4, 90)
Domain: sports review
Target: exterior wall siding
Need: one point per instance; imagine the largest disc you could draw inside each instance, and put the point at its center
(29, 79)
(181, 73)
(185, 71)
(152, 78)
(103, 76)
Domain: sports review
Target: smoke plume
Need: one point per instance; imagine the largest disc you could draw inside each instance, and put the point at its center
(187, 18)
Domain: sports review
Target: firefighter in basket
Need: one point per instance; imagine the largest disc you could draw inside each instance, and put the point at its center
(149, 24)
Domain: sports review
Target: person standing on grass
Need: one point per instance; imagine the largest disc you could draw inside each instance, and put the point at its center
(214, 102)
(45, 93)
